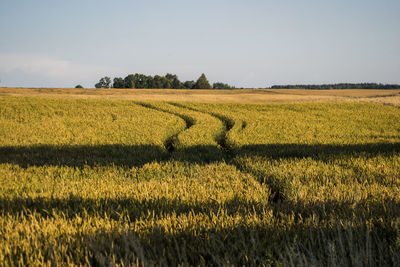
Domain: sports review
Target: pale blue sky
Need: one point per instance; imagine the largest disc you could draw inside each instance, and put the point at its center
(249, 43)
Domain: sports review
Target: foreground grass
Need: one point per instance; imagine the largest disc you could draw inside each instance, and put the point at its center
(117, 182)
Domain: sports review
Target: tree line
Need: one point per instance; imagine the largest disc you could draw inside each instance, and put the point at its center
(338, 86)
(169, 81)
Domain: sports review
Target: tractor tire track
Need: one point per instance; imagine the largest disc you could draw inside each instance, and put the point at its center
(277, 194)
(170, 143)
(228, 124)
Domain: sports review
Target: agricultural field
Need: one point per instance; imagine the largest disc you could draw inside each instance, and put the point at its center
(213, 96)
(103, 181)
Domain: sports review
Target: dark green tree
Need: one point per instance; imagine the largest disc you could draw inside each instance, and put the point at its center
(166, 83)
(175, 82)
(202, 83)
(79, 86)
(219, 85)
(104, 82)
(141, 81)
(149, 83)
(118, 82)
(189, 84)
(158, 82)
(129, 81)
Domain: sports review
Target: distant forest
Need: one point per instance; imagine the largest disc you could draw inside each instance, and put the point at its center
(338, 86)
(169, 81)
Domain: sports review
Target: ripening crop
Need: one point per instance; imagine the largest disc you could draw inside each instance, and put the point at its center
(118, 182)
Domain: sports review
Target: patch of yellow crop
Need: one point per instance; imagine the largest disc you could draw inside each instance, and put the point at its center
(120, 182)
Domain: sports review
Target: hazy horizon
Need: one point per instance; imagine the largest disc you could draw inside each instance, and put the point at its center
(249, 44)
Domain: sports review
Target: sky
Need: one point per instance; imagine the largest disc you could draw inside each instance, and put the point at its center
(252, 43)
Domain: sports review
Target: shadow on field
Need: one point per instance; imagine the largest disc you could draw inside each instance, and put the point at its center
(79, 156)
(318, 151)
(121, 208)
(320, 228)
(330, 233)
(248, 245)
(138, 155)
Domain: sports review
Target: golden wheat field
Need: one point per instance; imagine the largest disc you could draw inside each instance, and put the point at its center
(211, 96)
(281, 178)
